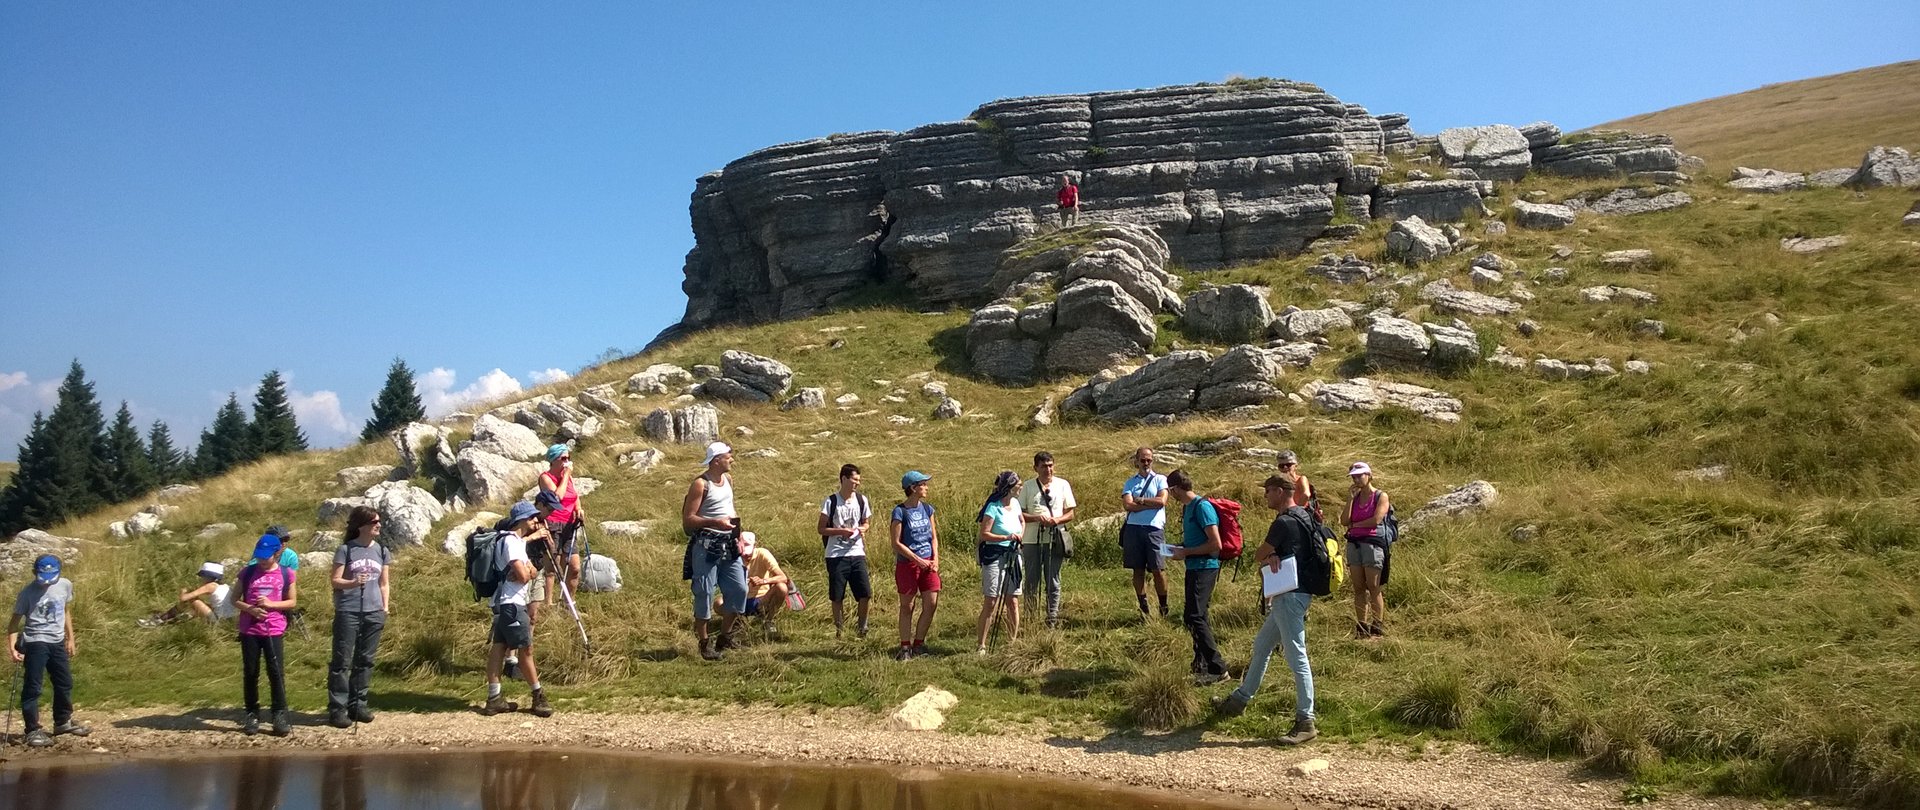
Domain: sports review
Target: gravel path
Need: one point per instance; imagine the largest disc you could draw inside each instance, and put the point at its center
(1194, 765)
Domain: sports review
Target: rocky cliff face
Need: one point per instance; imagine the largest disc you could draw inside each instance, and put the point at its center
(1223, 173)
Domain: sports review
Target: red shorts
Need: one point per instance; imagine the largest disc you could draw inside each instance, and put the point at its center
(910, 579)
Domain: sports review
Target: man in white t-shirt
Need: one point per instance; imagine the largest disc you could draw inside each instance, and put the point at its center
(1047, 501)
(844, 518)
(512, 626)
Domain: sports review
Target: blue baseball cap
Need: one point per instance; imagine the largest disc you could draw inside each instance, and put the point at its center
(46, 568)
(546, 499)
(521, 511)
(914, 477)
(267, 548)
(558, 451)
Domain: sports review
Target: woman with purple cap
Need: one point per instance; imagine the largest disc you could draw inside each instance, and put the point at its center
(266, 592)
(40, 635)
(1366, 551)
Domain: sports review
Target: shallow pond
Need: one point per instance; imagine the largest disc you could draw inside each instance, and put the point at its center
(539, 780)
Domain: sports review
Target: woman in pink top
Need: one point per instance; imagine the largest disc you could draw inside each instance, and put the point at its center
(563, 523)
(264, 594)
(1366, 554)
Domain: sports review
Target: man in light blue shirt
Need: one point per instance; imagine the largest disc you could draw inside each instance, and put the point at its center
(1144, 496)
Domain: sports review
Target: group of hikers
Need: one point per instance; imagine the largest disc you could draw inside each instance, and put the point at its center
(1022, 538)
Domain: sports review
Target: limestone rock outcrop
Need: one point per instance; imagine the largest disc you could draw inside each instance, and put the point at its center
(1497, 152)
(1234, 312)
(695, 424)
(1887, 166)
(1184, 381)
(747, 377)
(1603, 153)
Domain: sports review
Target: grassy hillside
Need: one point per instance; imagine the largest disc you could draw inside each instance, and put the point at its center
(1806, 125)
(1756, 636)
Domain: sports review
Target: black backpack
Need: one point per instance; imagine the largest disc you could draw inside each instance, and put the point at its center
(483, 562)
(833, 512)
(1315, 556)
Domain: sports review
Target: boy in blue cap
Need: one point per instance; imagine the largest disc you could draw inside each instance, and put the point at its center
(45, 645)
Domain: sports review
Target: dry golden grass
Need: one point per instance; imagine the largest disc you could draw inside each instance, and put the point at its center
(1808, 125)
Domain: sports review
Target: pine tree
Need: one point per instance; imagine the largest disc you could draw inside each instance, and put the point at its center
(274, 430)
(226, 443)
(397, 404)
(169, 464)
(128, 470)
(29, 499)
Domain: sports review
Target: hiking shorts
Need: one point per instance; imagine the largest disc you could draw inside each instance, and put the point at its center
(564, 536)
(848, 572)
(537, 589)
(1000, 576)
(1140, 547)
(1365, 555)
(753, 606)
(512, 627)
(910, 579)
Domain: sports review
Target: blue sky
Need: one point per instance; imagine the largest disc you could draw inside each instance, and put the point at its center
(192, 194)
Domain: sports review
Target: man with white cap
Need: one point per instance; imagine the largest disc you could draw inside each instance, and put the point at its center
(713, 551)
(45, 646)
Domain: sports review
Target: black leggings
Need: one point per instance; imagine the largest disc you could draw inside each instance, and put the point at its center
(252, 649)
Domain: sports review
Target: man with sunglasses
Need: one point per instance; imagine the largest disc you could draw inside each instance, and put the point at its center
(1144, 496)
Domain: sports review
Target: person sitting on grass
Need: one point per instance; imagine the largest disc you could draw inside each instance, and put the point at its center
(916, 567)
(40, 636)
(1001, 527)
(767, 585)
(210, 600)
(512, 627)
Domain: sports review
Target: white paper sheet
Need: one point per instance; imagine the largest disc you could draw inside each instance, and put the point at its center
(1285, 580)
(1166, 549)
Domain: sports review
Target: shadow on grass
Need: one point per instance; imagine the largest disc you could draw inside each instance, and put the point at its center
(418, 702)
(950, 347)
(1075, 684)
(1147, 745)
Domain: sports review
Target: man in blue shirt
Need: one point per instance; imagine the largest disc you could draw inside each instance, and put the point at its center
(1199, 545)
(1144, 496)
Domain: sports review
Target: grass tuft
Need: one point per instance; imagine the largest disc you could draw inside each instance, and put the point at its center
(1161, 698)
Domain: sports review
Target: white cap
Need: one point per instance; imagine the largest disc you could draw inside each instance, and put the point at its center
(213, 569)
(749, 541)
(716, 450)
(1358, 468)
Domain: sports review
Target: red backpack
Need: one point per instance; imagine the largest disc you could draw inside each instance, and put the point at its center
(1230, 542)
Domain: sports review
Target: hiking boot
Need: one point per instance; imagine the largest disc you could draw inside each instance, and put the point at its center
(39, 738)
(361, 714)
(708, 650)
(154, 620)
(251, 724)
(1303, 731)
(72, 728)
(724, 644)
(1230, 706)
(920, 651)
(541, 708)
(281, 727)
(339, 719)
(1362, 630)
(1377, 630)
(903, 654)
(1209, 678)
(860, 631)
(981, 650)
(498, 705)
(838, 632)
(1163, 610)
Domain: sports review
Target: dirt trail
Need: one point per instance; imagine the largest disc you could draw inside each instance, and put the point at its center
(1195, 765)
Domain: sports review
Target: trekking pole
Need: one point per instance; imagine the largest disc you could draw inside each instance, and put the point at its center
(567, 594)
(13, 678)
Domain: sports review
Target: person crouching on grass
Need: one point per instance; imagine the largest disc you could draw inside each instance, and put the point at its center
(767, 585)
(512, 627)
(916, 567)
(40, 635)
(1001, 527)
(268, 592)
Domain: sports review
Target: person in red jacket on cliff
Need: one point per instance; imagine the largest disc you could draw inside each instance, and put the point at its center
(1069, 201)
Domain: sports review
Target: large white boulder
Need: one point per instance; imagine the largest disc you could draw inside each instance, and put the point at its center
(407, 512)
(491, 478)
(925, 711)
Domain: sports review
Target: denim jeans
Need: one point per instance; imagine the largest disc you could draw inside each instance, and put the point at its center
(1286, 628)
(46, 660)
(1037, 560)
(1206, 654)
(356, 636)
(715, 563)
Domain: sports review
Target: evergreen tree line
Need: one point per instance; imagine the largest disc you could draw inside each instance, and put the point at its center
(72, 462)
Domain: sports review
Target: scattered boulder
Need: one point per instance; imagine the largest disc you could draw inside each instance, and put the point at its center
(1044, 413)
(1528, 327)
(1447, 298)
(334, 510)
(1639, 367)
(1607, 292)
(626, 529)
(1630, 201)
(847, 400)
(326, 540)
(600, 398)
(1650, 328)
(659, 378)
(925, 711)
(806, 398)
(1767, 181)
(1485, 278)
(317, 560)
(490, 478)
(1831, 178)
(1307, 768)
(1634, 257)
(1182, 381)
(362, 477)
(1431, 200)
(499, 437)
(18, 553)
(1307, 324)
(1800, 244)
(1497, 152)
(176, 492)
(407, 512)
(949, 408)
(1362, 394)
(934, 389)
(213, 530)
(642, 461)
(764, 452)
(695, 424)
(1413, 241)
(1396, 341)
(1886, 166)
(1234, 312)
(1709, 473)
(1347, 269)
(1605, 153)
(1453, 347)
(411, 442)
(1541, 216)
(1475, 496)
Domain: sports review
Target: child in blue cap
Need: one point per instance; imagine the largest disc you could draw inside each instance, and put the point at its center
(266, 592)
(40, 634)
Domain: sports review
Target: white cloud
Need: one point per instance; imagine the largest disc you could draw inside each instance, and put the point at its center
(552, 375)
(438, 394)
(20, 397)
(13, 380)
(320, 416)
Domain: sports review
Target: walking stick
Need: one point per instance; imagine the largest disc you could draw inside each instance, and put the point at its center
(567, 594)
(13, 677)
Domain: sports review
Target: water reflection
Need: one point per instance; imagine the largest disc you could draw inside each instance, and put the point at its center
(522, 780)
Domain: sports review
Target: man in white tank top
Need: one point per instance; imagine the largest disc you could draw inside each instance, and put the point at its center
(713, 552)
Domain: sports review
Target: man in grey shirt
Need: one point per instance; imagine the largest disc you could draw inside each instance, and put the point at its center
(45, 645)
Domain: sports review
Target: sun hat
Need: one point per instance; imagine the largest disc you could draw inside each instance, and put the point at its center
(522, 510)
(267, 548)
(212, 570)
(558, 451)
(716, 450)
(914, 477)
(1358, 468)
(46, 568)
(748, 542)
(1287, 457)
